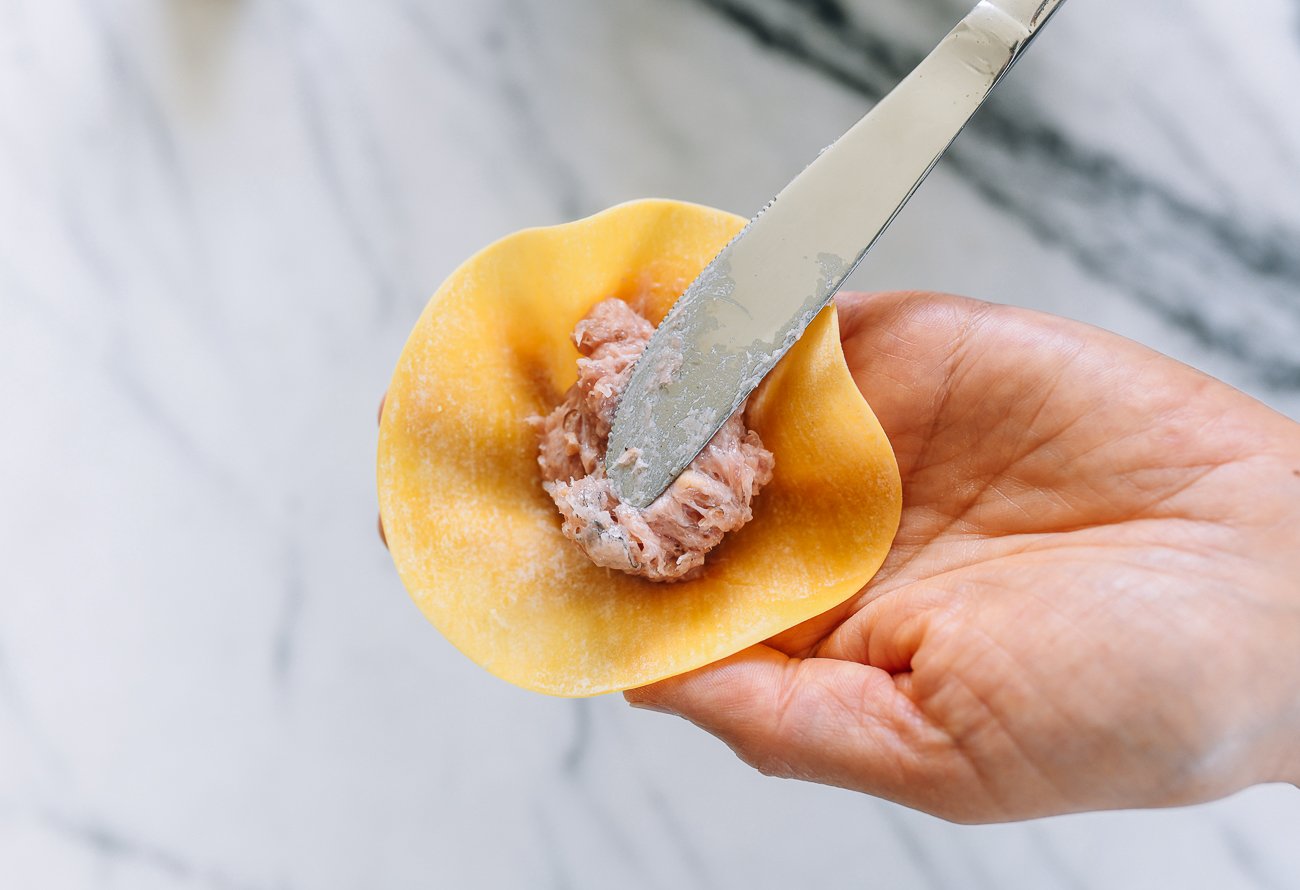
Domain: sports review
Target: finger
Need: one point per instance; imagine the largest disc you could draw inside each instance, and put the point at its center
(821, 720)
(382, 399)
(903, 350)
(996, 413)
(802, 640)
(886, 631)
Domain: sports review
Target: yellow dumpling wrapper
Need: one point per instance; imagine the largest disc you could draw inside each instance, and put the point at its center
(477, 541)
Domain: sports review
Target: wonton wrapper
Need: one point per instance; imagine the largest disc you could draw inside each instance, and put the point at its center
(477, 541)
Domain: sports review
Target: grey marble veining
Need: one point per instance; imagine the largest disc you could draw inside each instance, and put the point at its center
(218, 220)
(1178, 246)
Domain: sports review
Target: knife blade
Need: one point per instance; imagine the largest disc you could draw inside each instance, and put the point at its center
(754, 300)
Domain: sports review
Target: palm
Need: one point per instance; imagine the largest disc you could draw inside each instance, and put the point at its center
(1069, 503)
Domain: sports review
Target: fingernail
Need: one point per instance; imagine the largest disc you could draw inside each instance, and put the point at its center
(652, 706)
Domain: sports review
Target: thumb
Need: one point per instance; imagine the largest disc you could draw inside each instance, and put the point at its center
(819, 719)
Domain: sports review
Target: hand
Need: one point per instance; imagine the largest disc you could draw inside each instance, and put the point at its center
(1093, 600)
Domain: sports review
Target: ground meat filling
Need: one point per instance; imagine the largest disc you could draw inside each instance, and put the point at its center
(666, 541)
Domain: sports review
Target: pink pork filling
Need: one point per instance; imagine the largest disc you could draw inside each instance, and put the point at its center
(668, 540)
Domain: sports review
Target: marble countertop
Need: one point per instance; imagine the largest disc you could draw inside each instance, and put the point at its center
(218, 221)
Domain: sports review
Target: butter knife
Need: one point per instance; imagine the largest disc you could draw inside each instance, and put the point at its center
(749, 306)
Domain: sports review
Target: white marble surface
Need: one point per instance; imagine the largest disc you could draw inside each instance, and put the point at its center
(218, 220)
